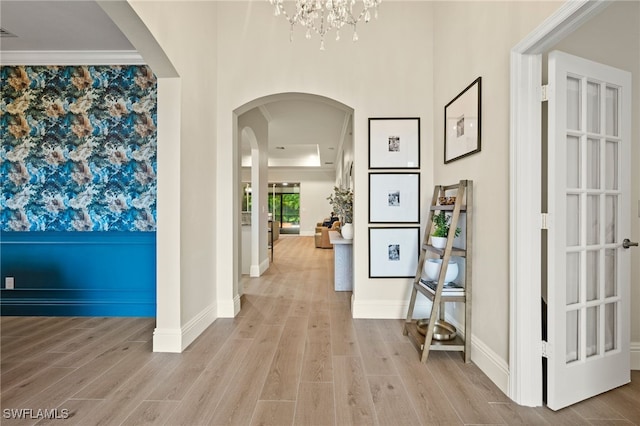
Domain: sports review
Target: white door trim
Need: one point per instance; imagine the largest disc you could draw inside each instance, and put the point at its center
(525, 353)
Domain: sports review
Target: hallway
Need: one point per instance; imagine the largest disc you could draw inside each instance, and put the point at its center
(293, 355)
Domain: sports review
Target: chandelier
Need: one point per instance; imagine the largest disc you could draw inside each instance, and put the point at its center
(322, 16)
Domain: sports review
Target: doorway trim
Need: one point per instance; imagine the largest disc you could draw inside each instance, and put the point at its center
(525, 336)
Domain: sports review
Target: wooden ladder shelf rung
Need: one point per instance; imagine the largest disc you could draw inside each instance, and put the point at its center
(439, 296)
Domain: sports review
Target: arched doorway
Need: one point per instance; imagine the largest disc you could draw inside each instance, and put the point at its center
(303, 138)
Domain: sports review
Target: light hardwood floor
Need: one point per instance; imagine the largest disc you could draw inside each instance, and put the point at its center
(293, 355)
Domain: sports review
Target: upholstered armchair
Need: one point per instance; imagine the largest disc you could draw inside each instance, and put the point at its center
(322, 234)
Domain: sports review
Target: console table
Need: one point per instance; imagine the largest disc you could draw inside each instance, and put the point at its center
(342, 261)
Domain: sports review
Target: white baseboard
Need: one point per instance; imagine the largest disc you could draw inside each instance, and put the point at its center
(198, 324)
(236, 305)
(229, 308)
(264, 265)
(258, 270)
(167, 340)
(307, 233)
(486, 359)
(635, 355)
(254, 271)
(176, 340)
(494, 367)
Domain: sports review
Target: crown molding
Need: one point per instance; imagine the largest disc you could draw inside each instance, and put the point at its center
(71, 57)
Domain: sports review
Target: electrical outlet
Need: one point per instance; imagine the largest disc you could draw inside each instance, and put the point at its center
(9, 283)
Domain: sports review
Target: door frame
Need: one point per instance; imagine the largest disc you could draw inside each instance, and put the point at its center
(525, 260)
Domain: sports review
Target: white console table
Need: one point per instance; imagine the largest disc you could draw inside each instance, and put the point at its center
(342, 262)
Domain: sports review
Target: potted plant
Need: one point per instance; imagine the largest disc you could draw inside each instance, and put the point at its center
(342, 203)
(441, 225)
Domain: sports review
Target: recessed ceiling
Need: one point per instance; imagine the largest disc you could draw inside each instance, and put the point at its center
(303, 133)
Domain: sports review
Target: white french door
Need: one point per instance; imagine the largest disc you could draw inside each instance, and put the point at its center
(589, 217)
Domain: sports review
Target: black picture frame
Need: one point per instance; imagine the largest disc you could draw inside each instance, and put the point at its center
(394, 197)
(463, 123)
(393, 252)
(394, 143)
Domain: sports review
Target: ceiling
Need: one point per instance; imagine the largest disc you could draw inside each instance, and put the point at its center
(305, 132)
(59, 25)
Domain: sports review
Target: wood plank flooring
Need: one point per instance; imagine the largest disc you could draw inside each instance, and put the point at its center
(293, 356)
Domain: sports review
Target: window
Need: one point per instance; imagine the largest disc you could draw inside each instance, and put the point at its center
(284, 206)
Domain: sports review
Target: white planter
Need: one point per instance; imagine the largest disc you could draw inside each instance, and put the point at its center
(347, 231)
(431, 270)
(439, 242)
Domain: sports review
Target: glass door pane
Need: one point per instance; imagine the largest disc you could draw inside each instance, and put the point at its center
(593, 274)
(592, 331)
(290, 210)
(284, 206)
(593, 219)
(573, 162)
(610, 273)
(611, 165)
(573, 335)
(574, 103)
(612, 111)
(275, 201)
(593, 163)
(573, 278)
(573, 225)
(610, 323)
(593, 107)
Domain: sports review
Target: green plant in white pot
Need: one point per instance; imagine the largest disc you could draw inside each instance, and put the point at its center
(441, 226)
(342, 203)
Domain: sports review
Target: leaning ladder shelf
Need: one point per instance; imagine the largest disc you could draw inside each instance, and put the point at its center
(463, 191)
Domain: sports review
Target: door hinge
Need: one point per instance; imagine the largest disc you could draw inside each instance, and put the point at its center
(544, 93)
(546, 349)
(544, 224)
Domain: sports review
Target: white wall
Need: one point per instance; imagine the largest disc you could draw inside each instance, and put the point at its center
(613, 38)
(174, 27)
(474, 39)
(259, 138)
(387, 73)
(315, 187)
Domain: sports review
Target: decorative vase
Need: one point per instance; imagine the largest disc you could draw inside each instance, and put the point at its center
(347, 231)
(439, 242)
(431, 270)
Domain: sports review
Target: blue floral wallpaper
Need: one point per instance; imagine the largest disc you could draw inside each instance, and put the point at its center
(78, 149)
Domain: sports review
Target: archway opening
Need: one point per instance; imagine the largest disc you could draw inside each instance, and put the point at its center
(301, 138)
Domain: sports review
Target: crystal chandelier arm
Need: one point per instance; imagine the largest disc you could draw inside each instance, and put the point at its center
(322, 16)
(365, 13)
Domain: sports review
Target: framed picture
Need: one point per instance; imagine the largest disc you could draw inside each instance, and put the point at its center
(462, 123)
(394, 197)
(393, 252)
(394, 143)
